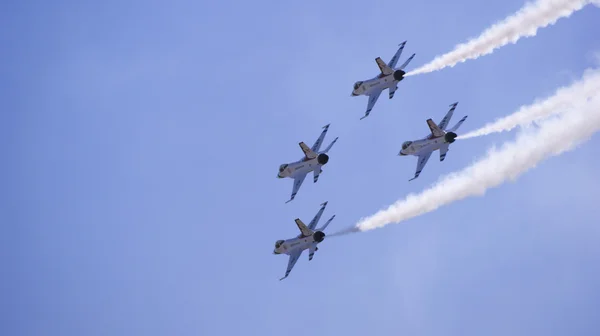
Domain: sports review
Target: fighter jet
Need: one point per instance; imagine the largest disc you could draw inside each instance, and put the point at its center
(387, 79)
(313, 160)
(308, 238)
(439, 138)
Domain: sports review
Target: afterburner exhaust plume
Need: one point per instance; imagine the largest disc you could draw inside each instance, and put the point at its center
(553, 137)
(523, 23)
(562, 100)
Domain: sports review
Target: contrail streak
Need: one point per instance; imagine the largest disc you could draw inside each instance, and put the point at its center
(553, 137)
(563, 99)
(523, 23)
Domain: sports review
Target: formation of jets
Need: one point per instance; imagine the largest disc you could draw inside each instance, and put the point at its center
(314, 159)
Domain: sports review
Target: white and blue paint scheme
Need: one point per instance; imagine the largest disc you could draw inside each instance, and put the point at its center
(439, 138)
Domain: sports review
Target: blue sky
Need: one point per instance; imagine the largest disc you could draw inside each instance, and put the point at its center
(141, 142)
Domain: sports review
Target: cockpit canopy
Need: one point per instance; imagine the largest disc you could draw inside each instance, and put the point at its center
(357, 85)
(406, 144)
(278, 243)
(282, 167)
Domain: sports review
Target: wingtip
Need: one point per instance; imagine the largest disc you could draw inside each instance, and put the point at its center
(288, 201)
(324, 203)
(454, 104)
(403, 43)
(326, 126)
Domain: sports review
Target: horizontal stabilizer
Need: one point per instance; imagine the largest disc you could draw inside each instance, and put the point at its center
(311, 251)
(392, 91)
(444, 150)
(330, 145)
(407, 61)
(322, 228)
(453, 129)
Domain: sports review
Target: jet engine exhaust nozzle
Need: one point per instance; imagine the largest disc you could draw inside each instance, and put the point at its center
(450, 137)
(319, 236)
(322, 159)
(399, 75)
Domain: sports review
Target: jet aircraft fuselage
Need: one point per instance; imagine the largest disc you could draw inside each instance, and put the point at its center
(299, 243)
(302, 167)
(378, 83)
(430, 144)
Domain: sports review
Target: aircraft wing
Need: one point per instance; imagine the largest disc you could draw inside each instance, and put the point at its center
(396, 57)
(443, 151)
(392, 90)
(421, 162)
(297, 183)
(372, 100)
(306, 232)
(319, 142)
(315, 220)
(291, 262)
(444, 123)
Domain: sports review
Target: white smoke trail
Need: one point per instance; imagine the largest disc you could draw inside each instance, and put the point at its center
(553, 137)
(523, 23)
(563, 99)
